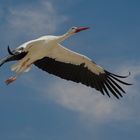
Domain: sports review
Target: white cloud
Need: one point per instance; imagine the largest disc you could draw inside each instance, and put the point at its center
(35, 20)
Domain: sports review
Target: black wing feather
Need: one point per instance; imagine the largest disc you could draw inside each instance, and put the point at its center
(104, 82)
(15, 57)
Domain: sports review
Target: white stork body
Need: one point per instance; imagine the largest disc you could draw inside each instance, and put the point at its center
(37, 49)
(49, 46)
(47, 54)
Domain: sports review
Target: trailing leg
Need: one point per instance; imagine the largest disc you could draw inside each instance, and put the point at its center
(10, 80)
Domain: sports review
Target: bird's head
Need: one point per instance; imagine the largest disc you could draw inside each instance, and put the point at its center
(71, 32)
(74, 30)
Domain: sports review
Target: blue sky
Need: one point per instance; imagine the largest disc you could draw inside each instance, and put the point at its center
(42, 106)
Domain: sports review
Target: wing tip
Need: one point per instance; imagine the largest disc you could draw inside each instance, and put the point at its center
(112, 81)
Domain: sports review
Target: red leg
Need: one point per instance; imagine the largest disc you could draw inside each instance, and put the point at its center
(10, 80)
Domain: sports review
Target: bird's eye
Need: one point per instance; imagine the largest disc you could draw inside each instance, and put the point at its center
(73, 28)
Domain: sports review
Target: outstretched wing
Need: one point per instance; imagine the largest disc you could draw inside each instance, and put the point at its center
(17, 55)
(72, 66)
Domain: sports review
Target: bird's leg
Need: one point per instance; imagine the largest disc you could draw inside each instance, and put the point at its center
(20, 71)
(10, 80)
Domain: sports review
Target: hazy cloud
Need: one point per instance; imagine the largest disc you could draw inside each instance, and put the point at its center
(34, 20)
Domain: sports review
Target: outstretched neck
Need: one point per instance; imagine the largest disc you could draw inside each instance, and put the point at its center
(64, 37)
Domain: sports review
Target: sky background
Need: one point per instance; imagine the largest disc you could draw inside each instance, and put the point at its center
(39, 106)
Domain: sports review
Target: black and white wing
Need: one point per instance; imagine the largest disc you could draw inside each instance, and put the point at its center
(19, 53)
(69, 65)
(13, 56)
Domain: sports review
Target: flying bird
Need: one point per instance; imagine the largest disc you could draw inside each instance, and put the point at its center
(49, 55)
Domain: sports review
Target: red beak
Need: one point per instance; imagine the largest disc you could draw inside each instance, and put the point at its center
(79, 29)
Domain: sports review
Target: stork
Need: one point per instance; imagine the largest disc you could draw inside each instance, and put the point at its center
(47, 54)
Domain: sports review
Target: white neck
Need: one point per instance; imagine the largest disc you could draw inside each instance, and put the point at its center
(64, 37)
